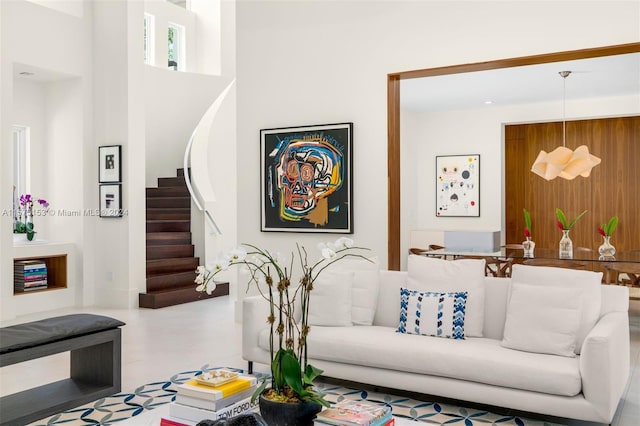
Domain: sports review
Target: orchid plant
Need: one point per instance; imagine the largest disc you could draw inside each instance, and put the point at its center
(606, 230)
(23, 220)
(291, 376)
(563, 223)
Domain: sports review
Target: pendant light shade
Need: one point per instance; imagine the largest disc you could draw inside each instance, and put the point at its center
(562, 161)
(565, 163)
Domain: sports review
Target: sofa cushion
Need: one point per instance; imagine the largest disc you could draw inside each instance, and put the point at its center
(432, 313)
(542, 319)
(474, 359)
(366, 284)
(589, 283)
(438, 275)
(330, 301)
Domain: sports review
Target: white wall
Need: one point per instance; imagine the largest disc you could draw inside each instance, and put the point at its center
(53, 101)
(71, 7)
(430, 134)
(324, 62)
(174, 104)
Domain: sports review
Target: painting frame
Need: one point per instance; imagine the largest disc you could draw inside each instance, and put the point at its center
(458, 185)
(110, 200)
(110, 164)
(306, 175)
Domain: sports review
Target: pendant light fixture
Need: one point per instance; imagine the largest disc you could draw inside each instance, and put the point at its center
(563, 162)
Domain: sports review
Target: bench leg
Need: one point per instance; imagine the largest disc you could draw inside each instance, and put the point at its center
(98, 364)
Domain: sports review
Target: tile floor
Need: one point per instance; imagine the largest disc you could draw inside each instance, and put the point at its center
(159, 343)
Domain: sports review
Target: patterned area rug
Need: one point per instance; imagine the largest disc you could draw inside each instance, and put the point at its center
(122, 406)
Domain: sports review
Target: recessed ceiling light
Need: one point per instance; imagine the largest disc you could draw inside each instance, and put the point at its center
(488, 102)
(26, 73)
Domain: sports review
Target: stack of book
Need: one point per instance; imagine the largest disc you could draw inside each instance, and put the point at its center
(29, 275)
(217, 394)
(355, 413)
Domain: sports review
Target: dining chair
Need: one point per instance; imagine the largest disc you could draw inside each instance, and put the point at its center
(513, 246)
(622, 273)
(417, 250)
(493, 267)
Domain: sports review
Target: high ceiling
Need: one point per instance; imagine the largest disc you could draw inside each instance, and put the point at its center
(598, 77)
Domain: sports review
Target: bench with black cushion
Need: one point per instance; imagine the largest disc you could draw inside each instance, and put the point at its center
(94, 343)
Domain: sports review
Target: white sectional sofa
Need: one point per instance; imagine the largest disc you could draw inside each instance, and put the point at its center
(585, 381)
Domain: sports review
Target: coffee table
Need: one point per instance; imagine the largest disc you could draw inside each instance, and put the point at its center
(152, 418)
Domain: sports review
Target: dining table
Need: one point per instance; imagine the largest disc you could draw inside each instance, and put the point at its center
(625, 263)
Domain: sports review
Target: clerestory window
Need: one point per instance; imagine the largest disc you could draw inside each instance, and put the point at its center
(175, 47)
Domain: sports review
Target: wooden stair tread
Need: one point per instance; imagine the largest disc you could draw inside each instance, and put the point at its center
(183, 294)
(167, 235)
(170, 251)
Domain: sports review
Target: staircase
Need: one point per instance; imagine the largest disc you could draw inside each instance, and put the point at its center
(171, 263)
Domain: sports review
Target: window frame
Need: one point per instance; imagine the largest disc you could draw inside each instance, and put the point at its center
(20, 136)
(178, 45)
(149, 39)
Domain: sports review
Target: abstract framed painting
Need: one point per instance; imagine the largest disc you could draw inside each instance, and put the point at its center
(110, 164)
(458, 185)
(306, 179)
(111, 200)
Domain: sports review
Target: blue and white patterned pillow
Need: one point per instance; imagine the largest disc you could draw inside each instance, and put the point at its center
(439, 314)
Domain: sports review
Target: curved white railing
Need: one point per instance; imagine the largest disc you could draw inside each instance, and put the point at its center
(203, 125)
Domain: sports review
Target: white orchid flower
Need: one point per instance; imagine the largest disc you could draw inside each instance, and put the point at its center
(220, 264)
(344, 243)
(199, 279)
(328, 253)
(201, 270)
(238, 255)
(321, 246)
(208, 287)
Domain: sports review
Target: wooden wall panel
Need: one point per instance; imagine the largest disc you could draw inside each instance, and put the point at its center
(612, 189)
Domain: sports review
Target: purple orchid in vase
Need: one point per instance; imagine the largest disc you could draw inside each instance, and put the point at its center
(24, 222)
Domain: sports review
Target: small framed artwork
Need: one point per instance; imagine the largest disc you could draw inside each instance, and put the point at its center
(110, 163)
(458, 185)
(306, 179)
(111, 200)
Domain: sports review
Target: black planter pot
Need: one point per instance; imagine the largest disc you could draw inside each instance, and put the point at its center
(288, 414)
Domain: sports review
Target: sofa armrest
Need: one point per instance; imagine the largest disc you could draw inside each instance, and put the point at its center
(255, 311)
(604, 363)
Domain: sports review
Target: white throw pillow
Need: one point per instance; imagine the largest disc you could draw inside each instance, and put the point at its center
(330, 300)
(366, 284)
(588, 282)
(543, 319)
(436, 314)
(438, 275)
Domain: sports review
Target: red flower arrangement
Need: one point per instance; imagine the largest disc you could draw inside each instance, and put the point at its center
(527, 222)
(562, 222)
(607, 228)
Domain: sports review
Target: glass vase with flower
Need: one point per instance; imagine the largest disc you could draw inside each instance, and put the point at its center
(565, 246)
(528, 245)
(607, 251)
(292, 378)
